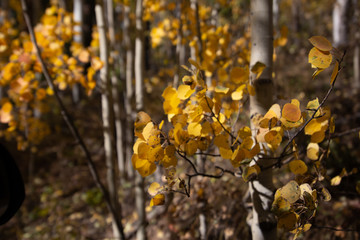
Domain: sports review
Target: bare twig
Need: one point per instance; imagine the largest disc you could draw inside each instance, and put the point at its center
(66, 116)
(197, 173)
(335, 229)
(351, 131)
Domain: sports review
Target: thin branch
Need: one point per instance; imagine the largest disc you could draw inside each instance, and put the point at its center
(223, 127)
(335, 229)
(66, 116)
(348, 132)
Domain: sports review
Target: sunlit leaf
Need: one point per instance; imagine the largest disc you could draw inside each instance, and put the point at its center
(258, 69)
(319, 59)
(321, 43)
(326, 194)
(287, 221)
(313, 151)
(159, 199)
(154, 188)
(334, 72)
(291, 191)
(250, 173)
(291, 112)
(238, 75)
(298, 167)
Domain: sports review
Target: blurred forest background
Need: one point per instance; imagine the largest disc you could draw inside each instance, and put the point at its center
(62, 199)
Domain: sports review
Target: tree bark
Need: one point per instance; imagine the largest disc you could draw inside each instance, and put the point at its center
(78, 38)
(107, 116)
(139, 103)
(356, 60)
(341, 20)
(263, 224)
(129, 92)
(115, 91)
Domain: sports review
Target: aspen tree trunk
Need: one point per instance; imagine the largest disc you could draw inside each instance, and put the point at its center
(115, 90)
(263, 224)
(139, 101)
(341, 23)
(180, 48)
(356, 60)
(106, 106)
(128, 93)
(78, 38)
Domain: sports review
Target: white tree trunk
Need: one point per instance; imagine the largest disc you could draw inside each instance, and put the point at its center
(115, 91)
(139, 102)
(129, 92)
(341, 23)
(106, 107)
(263, 224)
(78, 38)
(356, 59)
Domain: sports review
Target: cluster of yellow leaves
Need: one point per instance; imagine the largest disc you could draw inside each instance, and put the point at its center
(149, 149)
(21, 73)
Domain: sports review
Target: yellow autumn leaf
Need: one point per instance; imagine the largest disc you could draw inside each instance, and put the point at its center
(326, 194)
(298, 167)
(319, 59)
(194, 63)
(313, 151)
(220, 89)
(287, 221)
(147, 169)
(5, 112)
(238, 75)
(335, 181)
(291, 112)
(312, 127)
(154, 188)
(222, 75)
(238, 93)
(251, 89)
(155, 154)
(258, 69)
(317, 71)
(184, 92)
(280, 206)
(191, 147)
(334, 72)
(159, 199)
(320, 43)
(194, 129)
(250, 173)
(142, 118)
(244, 132)
(291, 191)
(273, 114)
(317, 137)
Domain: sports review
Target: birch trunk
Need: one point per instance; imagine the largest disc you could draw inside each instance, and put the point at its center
(115, 91)
(129, 92)
(78, 38)
(356, 60)
(263, 224)
(139, 101)
(341, 23)
(106, 106)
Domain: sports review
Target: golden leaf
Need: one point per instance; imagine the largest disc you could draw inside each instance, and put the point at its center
(291, 112)
(298, 167)
(319, 59)
(159, 199)
(320, 43)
